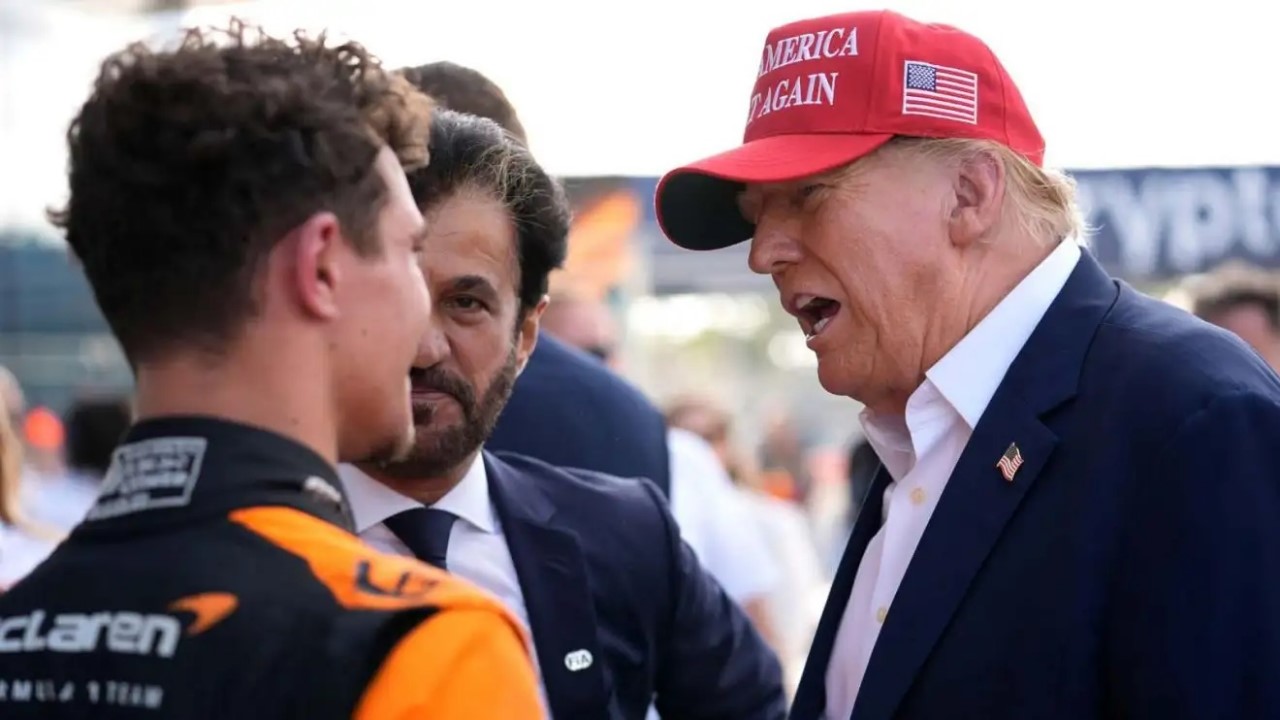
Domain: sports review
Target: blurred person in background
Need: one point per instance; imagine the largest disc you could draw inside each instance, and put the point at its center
(93, 428)
(44, 436)
(795, 602)
(1078, 517)
(620, 613)
(23, 543)
(581, 321)
(782, 457)
(239, 207)
(12, 400)
(1246, 301)
(562, 393)
(864, 465)
(711, 514)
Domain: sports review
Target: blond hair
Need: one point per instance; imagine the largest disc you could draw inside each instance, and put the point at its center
(11, 513)
(1041, 200)
(10, 471)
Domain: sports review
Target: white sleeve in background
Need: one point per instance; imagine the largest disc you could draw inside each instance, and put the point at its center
(715, 521)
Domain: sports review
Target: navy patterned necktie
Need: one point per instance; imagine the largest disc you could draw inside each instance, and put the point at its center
(425, 531)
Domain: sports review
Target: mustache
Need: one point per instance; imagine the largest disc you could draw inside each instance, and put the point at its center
(435, 379)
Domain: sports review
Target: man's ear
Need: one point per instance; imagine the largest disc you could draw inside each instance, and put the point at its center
(978, 184)
(316, 248)
(527, 339)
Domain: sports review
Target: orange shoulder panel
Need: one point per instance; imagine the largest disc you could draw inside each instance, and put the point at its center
(359, 576)
(462, 665)
(469, 660)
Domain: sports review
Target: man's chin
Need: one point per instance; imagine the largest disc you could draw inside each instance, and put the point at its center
(430, 454)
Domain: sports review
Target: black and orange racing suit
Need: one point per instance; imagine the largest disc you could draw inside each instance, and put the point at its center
(215, 578)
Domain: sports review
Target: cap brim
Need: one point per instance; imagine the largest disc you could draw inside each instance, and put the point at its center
(697, 205)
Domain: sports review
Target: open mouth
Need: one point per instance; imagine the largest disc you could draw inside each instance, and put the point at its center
(815, 314)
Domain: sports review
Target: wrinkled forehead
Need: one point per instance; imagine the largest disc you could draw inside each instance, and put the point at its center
(823, 178)
(753, 195)
(895, 165)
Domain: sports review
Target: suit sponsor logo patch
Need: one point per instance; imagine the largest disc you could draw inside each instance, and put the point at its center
(150, 474)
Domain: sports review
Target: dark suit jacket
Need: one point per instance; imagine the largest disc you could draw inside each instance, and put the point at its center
(569, 409)
(602, 569)
(1131, 568)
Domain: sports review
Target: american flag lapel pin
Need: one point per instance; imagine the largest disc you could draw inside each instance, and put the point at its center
(1009, 462)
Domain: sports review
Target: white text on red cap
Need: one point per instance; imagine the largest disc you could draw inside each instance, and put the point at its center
(811, 89)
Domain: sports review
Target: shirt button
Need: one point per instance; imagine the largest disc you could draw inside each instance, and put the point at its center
(918, 496)
(881, 614)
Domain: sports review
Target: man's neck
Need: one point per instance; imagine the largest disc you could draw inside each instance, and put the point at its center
(426, 490)
(263, 396)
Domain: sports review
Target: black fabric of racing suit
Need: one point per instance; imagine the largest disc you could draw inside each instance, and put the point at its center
(160, 606)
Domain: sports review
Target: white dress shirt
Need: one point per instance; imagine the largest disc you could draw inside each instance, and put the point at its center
(715, 522)
(478, 550)
(920, 450)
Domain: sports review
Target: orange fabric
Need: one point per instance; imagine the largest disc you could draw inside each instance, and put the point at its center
(779, 484)
(43, 430)
(455, 667)
(209, 608)
(468, 661)
(341, 560)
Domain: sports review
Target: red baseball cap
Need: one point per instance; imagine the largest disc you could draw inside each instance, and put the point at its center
(833, 89)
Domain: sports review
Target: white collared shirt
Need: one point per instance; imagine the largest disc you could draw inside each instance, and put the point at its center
(920, 450)
(478, 549)
(715, 521)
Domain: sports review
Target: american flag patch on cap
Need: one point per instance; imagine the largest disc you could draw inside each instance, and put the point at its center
(940, 92)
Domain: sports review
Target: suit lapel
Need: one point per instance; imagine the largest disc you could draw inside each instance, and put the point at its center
(979, 501)
(557, 595)
(811, 695)
(970, 516)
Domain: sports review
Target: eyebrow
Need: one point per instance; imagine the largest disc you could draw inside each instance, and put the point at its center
(472, 283)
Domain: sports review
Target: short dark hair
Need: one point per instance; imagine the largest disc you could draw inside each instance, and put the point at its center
(473, 152)
(188, 165)
(95, 426)
(1235, 285)
(465, 90)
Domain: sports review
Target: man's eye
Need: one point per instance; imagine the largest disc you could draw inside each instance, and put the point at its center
(808, 190)
(466, 303)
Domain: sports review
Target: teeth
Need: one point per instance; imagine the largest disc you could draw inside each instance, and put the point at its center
(802, 301)
(817, 328)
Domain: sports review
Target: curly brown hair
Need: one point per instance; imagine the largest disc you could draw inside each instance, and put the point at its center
(188, 165)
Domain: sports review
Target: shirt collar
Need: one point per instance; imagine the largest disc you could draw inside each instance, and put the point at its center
(963, 382)
(372, 502)
(969, 374)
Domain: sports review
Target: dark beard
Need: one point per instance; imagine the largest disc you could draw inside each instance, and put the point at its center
(438, 451)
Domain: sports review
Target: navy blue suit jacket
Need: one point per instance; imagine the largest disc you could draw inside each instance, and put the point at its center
(1131, 568)
(569, 409)
(602, 569)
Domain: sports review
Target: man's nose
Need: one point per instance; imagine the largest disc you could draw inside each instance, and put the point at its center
(773, 246)
(433, 347)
